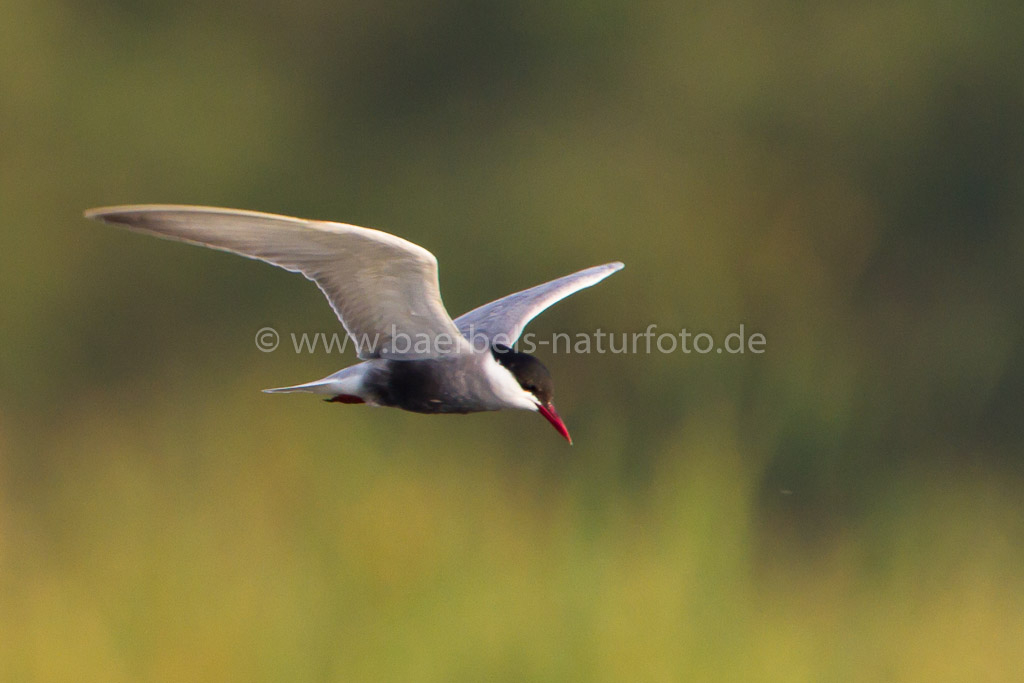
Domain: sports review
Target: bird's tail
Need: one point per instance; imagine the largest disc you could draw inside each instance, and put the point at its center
(321, 386)
(346, 381)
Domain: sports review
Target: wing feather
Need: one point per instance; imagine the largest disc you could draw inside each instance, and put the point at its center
(503, 320)
(379, 285)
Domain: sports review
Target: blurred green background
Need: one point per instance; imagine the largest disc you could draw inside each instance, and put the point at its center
(846, 178)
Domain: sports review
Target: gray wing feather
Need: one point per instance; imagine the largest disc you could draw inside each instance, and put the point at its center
(378, 284)
(502, 321)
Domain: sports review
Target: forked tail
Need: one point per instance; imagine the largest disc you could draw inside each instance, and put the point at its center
(347, 382)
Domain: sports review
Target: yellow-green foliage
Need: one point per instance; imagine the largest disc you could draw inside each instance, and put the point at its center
(843, 178)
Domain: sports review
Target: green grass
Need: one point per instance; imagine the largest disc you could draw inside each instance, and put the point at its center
(223, 546)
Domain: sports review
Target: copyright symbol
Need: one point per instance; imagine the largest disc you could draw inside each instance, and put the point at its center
(267, 339)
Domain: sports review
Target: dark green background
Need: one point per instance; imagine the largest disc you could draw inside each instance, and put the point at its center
(846, 178)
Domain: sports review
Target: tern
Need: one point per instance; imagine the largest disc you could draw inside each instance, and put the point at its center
(386, 294)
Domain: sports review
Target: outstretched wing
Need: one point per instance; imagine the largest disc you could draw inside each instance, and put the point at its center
(502, 321)
(383, 289)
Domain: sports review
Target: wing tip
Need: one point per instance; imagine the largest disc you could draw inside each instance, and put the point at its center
(607, 269)
(117, 214)
(98, 213)
(109, 213)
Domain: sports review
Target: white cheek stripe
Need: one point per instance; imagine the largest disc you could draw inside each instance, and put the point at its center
(506, 389)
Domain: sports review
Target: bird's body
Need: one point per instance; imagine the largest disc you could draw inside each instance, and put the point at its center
(385, 292)
(467, 383)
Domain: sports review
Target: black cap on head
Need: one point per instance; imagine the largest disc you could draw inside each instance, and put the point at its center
(528, 371)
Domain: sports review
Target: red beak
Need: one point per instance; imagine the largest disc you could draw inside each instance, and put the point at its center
(551, 415)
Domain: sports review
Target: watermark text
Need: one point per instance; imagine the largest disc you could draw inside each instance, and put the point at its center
(649, 341)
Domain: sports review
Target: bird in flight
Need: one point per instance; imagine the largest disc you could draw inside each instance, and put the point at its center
(385, 292)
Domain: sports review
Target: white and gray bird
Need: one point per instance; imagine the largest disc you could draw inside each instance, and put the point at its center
(385, 292)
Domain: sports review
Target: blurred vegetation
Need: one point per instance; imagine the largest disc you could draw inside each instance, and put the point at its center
(847, 179)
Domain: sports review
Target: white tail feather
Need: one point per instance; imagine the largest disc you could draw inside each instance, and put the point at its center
(348, 381)
(321, 386)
